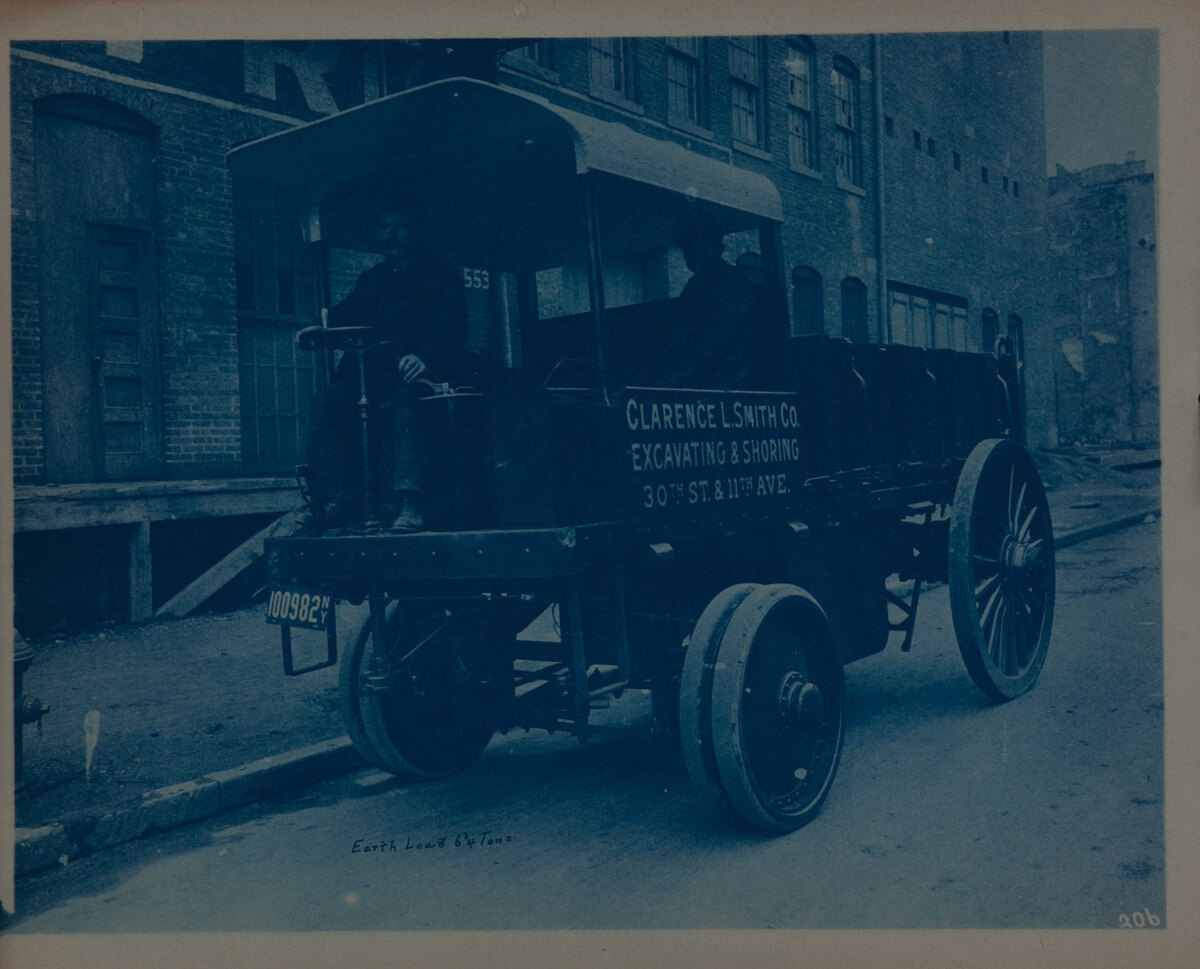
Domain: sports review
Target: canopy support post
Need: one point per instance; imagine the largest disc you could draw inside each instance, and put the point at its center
(596, 284)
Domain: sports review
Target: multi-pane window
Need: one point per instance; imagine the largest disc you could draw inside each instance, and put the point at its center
(923, 319)
(845, 123)
(684, 88)
(613, 68)
(745, 89)
(802, 145)
(276, 295)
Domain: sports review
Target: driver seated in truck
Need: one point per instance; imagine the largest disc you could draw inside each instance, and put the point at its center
(418, 306)
(710, 348)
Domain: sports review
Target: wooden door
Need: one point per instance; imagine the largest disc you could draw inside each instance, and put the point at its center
(99, 325)
(124, 367)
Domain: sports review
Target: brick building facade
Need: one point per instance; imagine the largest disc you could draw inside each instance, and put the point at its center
(964, 163)
(909, 168)
(1105, 314)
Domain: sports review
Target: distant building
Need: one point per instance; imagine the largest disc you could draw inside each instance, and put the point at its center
(158, 398)
(1104, 262)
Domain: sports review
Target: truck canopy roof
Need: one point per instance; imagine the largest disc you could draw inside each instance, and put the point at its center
(499, 176)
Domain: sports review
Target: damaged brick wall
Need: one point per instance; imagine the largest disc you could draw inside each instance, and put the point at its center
(1103, 256)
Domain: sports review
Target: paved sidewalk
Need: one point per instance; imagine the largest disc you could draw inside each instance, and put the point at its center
(195, 715)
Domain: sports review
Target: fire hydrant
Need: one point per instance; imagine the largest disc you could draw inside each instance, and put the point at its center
(26, 709)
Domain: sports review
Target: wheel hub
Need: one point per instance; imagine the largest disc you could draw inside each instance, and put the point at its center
(801, 703)
(1020, 558)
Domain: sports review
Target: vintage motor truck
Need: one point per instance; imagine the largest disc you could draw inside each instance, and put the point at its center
(727, 548)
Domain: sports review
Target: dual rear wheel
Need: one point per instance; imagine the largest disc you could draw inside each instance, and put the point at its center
(762, 705)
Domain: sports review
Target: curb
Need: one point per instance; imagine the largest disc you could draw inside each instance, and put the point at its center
(1077, 535)
(179, 804)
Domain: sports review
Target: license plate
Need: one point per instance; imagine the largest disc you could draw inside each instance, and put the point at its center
(299, 607)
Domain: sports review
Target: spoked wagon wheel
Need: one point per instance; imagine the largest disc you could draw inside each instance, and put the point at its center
(695, 691)
(425, 704)
(1001, 569)
(776, 720)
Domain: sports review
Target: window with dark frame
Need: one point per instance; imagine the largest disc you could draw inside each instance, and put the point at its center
(957, 162)
(276, 295)
(685, 65)
(613, 68)
(745, 90)
(802, 145)
(808, 297)
(983, 175)
(854, 310)
(922, 318)
(845, 131)
(540, 53)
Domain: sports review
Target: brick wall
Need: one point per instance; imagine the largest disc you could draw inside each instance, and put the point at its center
(1103, 243)
(194, 251)
(977, 96)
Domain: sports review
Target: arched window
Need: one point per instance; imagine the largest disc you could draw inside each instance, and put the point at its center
(854, 309)
(991, 327)
(808, 297)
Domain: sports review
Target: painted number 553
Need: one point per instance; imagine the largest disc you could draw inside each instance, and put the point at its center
(476, 278)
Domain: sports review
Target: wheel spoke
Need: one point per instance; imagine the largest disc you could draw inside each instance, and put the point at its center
(988, 616)
(1018, 509)
(995, 639)
(1012, 483)
(1023, 533)
(986, 586)
(1029, 601)
(1010, 644)
(1012, 637)
(997, 646)
(1027, 631)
